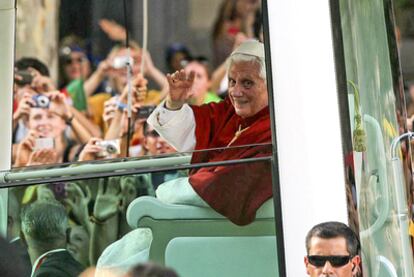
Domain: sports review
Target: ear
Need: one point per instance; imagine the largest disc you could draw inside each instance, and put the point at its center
(305, 260)
(355, 264)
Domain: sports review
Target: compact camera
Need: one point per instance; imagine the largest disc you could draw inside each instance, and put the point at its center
(122, 61)
(145, 111)
(44, 143)
(109, 147)
(26, 78)
(41, 101)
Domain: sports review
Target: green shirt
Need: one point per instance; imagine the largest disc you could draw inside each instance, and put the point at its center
(212, 97)
(75, 90)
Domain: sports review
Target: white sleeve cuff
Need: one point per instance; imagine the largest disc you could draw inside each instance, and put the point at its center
(177, 127)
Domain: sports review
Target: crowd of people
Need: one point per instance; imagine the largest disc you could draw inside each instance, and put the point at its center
(83, 116)
(84, 110)
(64, 229)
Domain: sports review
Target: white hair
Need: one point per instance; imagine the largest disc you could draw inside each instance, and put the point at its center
(240, 57)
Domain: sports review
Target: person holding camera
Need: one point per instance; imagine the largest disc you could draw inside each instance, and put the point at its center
(49, 116)
(116, 72)
(31, 78)
(33, 89)
(118, 127)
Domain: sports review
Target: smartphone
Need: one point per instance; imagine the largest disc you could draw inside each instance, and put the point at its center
(44, 143)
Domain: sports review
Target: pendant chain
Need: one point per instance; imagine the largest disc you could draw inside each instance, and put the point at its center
(237, 134)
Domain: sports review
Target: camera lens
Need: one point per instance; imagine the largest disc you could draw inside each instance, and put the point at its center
(111, 149)
(42, 101)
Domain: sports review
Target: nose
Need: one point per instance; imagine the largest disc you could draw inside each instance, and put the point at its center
(237, 90)
(327, 268)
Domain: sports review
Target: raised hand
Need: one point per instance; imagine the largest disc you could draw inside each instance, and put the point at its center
(90, 151)
(41, 83)
(180, 89)
(44, 193)
(78, 202)
(107, 201)
(112, 29)
(139, 90)
(23, 109)
(43, 156)
(110, 108)
(59, 105)
(25, 149)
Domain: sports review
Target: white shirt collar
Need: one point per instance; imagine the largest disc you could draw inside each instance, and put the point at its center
(42, 256)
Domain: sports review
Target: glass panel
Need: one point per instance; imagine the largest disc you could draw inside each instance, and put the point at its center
(376, 110)
(89, 68)
(97, 215)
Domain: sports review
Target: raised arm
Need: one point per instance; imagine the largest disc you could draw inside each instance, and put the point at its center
(173, 119)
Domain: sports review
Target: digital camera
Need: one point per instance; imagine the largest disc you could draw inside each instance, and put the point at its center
(122, 61)
(109, 147)
(41, 101)
(44, 143)
(145, 111)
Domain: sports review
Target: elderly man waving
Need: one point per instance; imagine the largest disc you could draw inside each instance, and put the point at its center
(236, 191)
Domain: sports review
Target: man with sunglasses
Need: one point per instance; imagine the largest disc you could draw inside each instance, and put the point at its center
(332, 250)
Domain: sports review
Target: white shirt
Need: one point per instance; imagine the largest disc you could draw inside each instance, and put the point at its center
(177, 127)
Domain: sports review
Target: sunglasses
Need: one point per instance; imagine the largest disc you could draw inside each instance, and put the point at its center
(72, 60)
(335, 261)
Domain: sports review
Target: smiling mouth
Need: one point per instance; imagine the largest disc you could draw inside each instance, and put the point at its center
(44, 130)
(240, 103)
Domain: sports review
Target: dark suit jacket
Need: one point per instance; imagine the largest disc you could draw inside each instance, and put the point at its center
(21, 251)
(59, 264)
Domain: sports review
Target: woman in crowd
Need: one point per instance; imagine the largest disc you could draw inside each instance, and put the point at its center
(47, 141)
(234, 16)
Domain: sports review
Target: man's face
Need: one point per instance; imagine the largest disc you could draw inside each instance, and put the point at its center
(46, 123)
(330, 247)
(201, 79)
(248, 92)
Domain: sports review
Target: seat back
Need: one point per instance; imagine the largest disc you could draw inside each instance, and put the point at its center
(168, 222)
(223, 256)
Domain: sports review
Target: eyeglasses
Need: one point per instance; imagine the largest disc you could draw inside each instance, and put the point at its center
(200, 59)
(335, 261)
